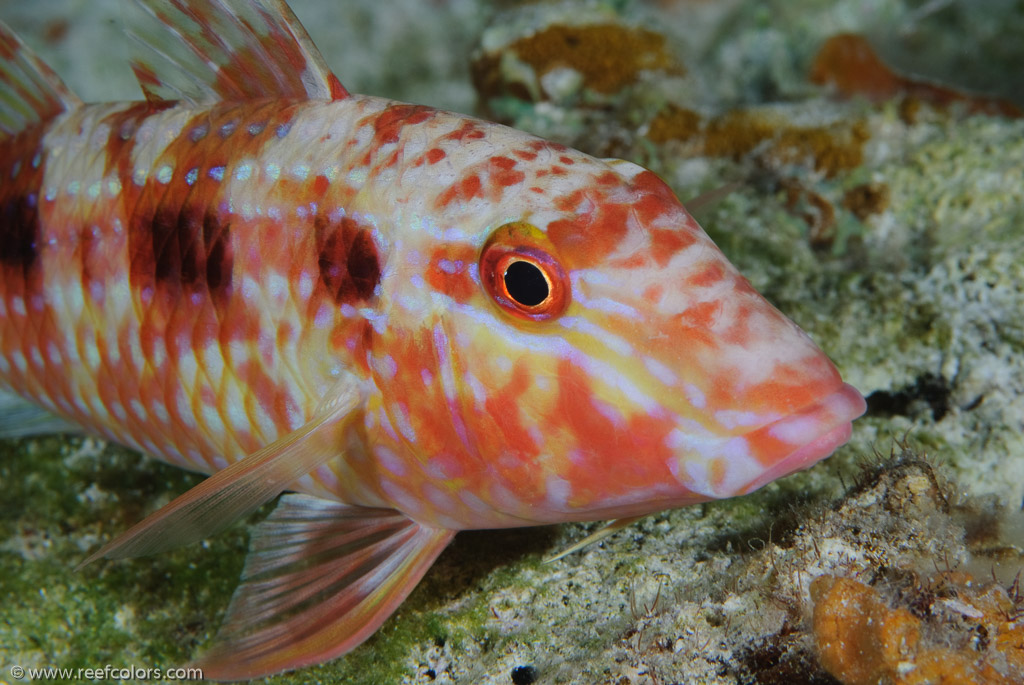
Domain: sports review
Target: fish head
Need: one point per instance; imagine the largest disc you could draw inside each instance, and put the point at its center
(597, 356)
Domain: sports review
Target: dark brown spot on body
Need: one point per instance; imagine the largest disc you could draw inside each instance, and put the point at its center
(20, 182)
(20, 233)
(190, 248)
(180, 229)
(348, 259)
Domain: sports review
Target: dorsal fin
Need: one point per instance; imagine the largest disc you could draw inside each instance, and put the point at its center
(30, 92)
(204, 51)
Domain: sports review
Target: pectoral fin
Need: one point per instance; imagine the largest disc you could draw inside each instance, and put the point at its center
(243, 487)
(20, 418)
(320, 578)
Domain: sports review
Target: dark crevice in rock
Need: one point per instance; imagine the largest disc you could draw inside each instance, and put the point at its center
(930, 388)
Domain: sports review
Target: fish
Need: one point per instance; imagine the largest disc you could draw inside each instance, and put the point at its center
(411, 322)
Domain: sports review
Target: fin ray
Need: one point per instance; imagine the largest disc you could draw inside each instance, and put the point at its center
(225, 50)
(600, 534)
(320, 578)
(242, 487)
(711, 197)
(30, 92)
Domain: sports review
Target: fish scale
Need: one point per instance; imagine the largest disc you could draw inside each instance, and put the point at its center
(258, 275)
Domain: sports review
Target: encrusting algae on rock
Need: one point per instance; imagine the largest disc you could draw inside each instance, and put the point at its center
(828, 149)
(848, 63)
(953, 630)
(604, 57)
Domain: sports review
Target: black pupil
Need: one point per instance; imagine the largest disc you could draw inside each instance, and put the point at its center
(526, 284)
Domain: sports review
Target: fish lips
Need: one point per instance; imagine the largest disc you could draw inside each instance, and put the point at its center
(791, 443)
(805, 437)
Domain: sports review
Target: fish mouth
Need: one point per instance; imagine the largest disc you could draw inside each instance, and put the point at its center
(807, 436)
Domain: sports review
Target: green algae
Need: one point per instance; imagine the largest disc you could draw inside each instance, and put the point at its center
(58, 495)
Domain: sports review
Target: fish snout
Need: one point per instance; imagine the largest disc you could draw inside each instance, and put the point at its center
(804, 437)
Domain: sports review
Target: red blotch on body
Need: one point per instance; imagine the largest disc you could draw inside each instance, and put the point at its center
(650, 182)
(765, 447)
(588, 238)
(651, 207)
(706, 277)
(388, 124)
(614, 456)
(320, 185)
(432, 156)
(502, 173)
(702, 315)
(665, 243)
(449, 272)
(539, 145)
(792, 388)
(468, 130)
(463, 190)
(572, 201)
(391, 161)
(503, 406)
(435, 420)
(633, 261)
(653, 293)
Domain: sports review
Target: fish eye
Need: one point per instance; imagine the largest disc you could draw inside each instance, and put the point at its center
(526, 283)
(521, 274)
